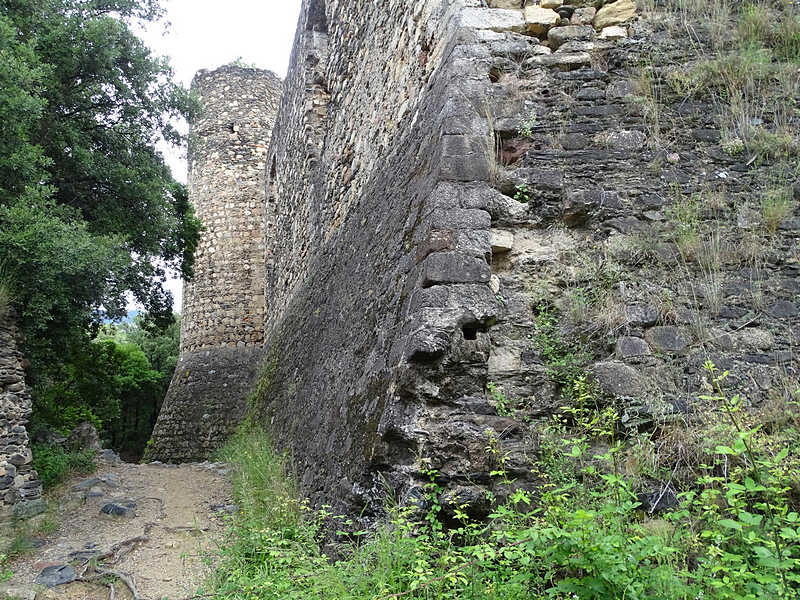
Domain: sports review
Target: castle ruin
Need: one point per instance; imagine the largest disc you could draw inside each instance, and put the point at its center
(20, 488)
(442, 179)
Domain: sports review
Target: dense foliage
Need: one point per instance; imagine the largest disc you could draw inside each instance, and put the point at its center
(89, 212)
(54, 464)
(117, 384)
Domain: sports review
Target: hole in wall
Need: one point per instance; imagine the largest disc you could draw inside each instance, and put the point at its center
(494, 74)
(470, 331)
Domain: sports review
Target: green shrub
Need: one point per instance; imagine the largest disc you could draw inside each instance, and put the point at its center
(54, 464)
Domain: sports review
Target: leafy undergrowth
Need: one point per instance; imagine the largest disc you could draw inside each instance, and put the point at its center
(734, 535)
(54, 464)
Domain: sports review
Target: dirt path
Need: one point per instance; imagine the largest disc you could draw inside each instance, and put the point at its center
(178, 517)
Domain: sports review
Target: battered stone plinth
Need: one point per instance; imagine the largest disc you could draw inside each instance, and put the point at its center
(205, 401)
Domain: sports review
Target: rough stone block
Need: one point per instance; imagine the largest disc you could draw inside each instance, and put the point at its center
(454, 268)
(502, 241)
(619, 379)
(668, 338)
(565, 61)
(570, 33)
(539, 19)
(511, 4)
(614, 32)
(583, 16)
(631, 347)
(493, 19)
(614, 13)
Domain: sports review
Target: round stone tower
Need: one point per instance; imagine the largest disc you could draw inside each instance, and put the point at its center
(222, 327)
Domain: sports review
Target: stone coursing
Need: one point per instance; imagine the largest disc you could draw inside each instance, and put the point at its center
(20, 488)
(222, 327)
(224, 304)
(418, 233)
(205, 401)
(441, 171)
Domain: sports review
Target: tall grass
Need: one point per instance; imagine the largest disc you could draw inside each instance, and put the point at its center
(585, 537)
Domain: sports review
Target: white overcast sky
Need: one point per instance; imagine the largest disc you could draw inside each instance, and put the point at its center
(205, 34)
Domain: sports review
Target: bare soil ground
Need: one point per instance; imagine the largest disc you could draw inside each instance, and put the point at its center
(162, 548)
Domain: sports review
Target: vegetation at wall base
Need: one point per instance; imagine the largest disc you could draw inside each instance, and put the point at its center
(734, 534)
(54, 464)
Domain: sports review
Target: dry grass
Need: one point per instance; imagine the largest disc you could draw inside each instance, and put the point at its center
(777, 205)
(710, 258)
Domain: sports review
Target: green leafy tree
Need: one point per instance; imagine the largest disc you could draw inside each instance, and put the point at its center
(111, 385)
(89, 212)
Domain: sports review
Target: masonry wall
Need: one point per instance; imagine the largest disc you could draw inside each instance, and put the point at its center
(224, 304)
(222, 327)
(446, 177)
(460, 195)
(379, 259)
(20, 488)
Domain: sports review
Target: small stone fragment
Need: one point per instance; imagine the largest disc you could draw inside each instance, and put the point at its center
(494, 284)
(560, 35)
(95, 492)
(550, 3)
(583, 16)
(109, 456)
(56, 575)
(614, 32)
(626, 140)
(502, 241)
(614, 13)
(121, 508)
(539, 19)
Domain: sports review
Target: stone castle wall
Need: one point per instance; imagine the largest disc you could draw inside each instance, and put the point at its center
(450, 179)
(379, 259)
(20, 488)
(450, 188)
(222, 327)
